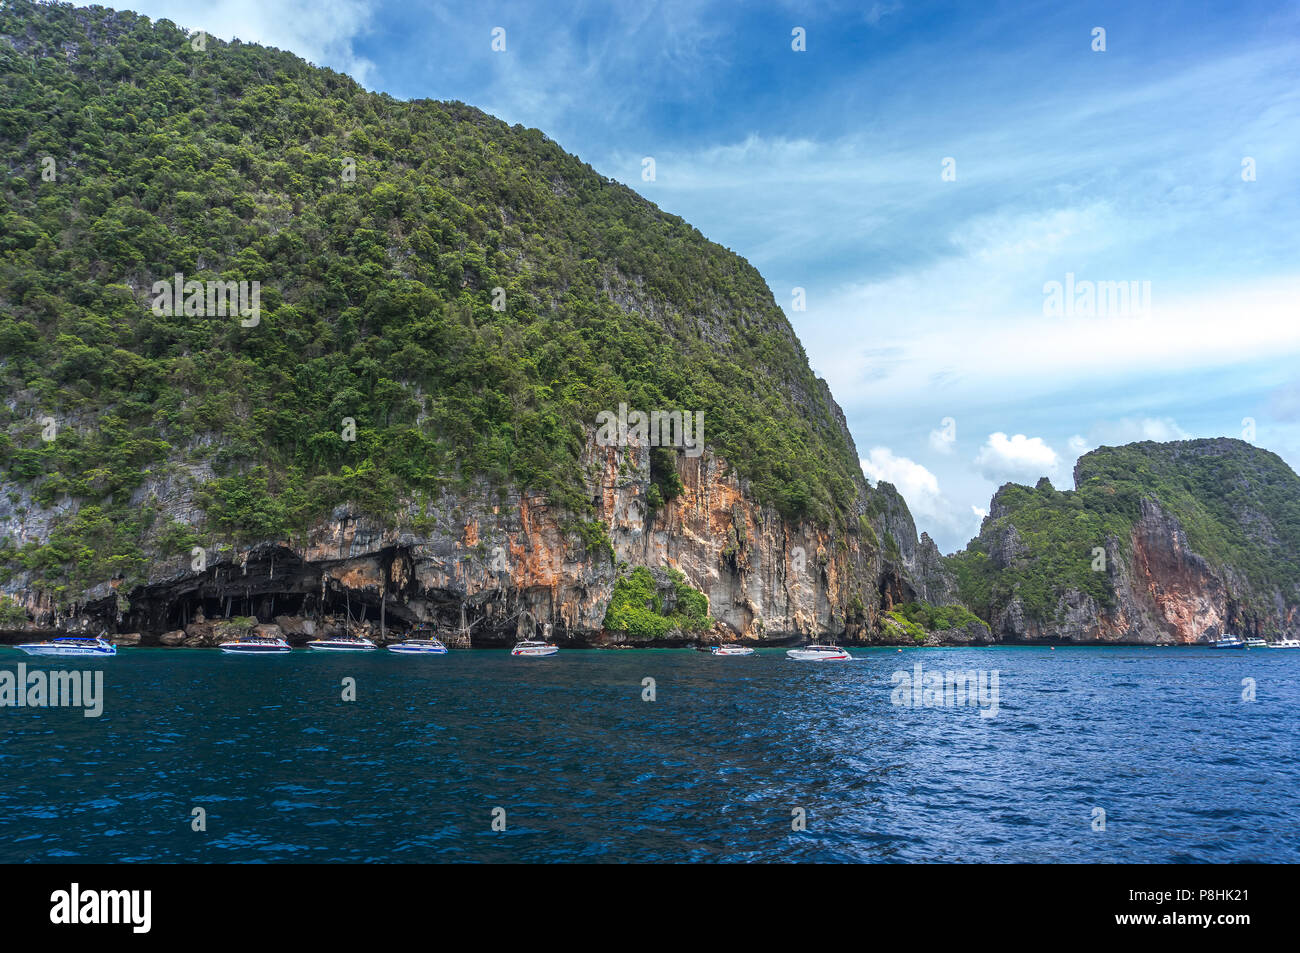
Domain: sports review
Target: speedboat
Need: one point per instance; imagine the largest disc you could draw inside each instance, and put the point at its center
(1228, 642)
(344, 643)
(1256, 644)
(71, 646)
(531, 648)
(1285, 644)
(731, 649)
(418, 647)
(818, 653)
(256, 645)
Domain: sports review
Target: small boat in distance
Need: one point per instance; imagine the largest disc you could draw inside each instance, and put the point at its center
(818, 653)
(1228, 642)
(344, 643)
(1256, 644)
(1285, 644)
(256, 645)
(731, 649)
(72, 646)
(531, 648)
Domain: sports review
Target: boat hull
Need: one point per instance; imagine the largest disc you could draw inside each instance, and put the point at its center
(255, 649)
(802, 655)
(62, 651)
(340, 647)
(745, 651)
(403, 649)
(535, 653)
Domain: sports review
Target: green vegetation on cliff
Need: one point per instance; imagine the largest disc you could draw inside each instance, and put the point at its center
(132, 157)
(1239, 506)
(637, 607)
(918, 618)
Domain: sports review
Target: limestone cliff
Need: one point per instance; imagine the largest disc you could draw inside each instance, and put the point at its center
(487, 570)
(1172, 543)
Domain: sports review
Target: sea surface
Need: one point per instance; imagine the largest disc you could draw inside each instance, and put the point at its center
(720, 766)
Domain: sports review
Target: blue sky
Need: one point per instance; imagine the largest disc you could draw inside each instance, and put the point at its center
(925, 295)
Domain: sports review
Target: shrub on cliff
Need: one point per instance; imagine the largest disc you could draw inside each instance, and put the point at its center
(636, 606)
(11, 613)
(922, 617)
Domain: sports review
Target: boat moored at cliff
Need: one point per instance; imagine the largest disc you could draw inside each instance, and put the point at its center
(1228, 642)
(428, 646)
(818, 653)
(72, 647)
(531, 648)
(343, 643)
(256, 645)
(1285, 644)
(420, 641)
(1256, 644)
(731, 649)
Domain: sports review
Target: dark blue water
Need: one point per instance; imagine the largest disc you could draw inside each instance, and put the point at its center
(710, 771)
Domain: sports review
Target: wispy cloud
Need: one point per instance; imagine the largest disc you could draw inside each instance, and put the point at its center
(321, 31)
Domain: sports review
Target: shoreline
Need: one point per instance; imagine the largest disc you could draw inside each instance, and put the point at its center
(8, 643)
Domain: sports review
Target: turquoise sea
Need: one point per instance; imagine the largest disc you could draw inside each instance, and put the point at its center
(720, 766)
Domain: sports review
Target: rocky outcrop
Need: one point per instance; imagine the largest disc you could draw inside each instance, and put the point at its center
(487, 569)
(972, 634)
(1155, 587)
(1163, 594)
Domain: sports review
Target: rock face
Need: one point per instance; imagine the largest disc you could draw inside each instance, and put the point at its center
(1164, 593)
(1133, 575)
(501, 568)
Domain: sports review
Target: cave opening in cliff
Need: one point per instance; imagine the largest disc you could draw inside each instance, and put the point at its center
(894, 590)
(168, 612)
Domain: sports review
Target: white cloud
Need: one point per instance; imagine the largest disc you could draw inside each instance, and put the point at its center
(320, 31)
(1078, 445)
(918, 485)
(1018, 458)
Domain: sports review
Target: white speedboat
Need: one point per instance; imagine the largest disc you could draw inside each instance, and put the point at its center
(818, 653)
(1228, 642)
(418, 647)
(1285, 644)
(530, 648)
(731, 649)
(71, 646)
(256, 645)
(344, 643)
